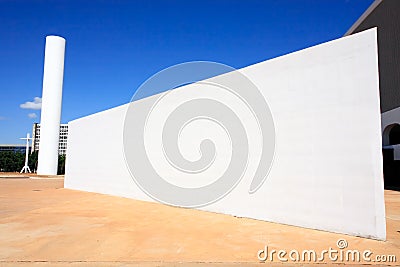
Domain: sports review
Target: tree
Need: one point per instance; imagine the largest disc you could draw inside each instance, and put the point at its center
(33, 161)
(14, 161)
(11, 161)
(61, 164)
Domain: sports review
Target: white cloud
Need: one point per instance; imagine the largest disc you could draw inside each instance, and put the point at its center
(32, 115)
(2, 118)
(36, 104)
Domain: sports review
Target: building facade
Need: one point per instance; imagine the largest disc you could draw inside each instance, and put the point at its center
(384, 14)
(13, 148)
(62, 143)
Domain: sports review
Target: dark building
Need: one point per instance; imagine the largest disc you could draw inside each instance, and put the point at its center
(385, 15)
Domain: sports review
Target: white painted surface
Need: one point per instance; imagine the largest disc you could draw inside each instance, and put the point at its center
(389, 119)
(51, 105)
(327, 171)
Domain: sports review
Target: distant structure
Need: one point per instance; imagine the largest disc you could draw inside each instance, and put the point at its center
(13, 148)
(62, 143)
(51, 105)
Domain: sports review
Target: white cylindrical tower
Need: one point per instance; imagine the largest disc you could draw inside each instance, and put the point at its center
(51, 105)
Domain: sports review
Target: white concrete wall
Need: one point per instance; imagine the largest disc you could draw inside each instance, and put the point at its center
(389, 118)
(327, 170)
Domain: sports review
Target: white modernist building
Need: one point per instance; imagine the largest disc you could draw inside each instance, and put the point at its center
(325, 169)
(62, 143)
(51, 105)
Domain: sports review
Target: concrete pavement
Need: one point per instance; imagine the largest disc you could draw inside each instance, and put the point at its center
(43, 224)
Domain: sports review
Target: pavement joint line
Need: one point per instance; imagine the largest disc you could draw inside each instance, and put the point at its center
(46, 178)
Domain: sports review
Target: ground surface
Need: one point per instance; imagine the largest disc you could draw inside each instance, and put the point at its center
(43, 224)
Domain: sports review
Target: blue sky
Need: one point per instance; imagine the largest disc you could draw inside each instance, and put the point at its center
(114, 46)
